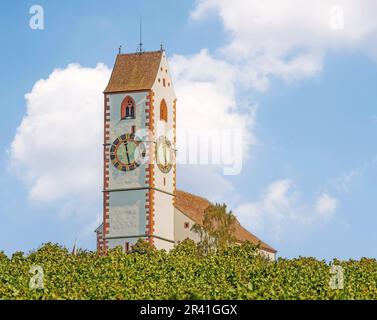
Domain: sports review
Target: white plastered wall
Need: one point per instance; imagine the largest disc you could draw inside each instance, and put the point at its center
(163, 201)
(180, 232)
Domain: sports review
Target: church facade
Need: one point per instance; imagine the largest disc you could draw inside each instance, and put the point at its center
(140, 199)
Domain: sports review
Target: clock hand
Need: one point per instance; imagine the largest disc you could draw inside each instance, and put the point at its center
(128, 156)
(166, 162)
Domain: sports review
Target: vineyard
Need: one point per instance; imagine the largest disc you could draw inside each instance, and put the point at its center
(236, 273)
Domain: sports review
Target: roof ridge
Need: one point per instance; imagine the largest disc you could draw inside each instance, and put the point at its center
(194, 195)
(138, 53)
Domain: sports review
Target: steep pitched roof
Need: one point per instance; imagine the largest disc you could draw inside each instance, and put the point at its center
(134, 71)
(99, 228)
(193, 207)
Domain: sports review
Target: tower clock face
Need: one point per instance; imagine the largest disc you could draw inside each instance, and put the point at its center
(164, 154)
(127, 153)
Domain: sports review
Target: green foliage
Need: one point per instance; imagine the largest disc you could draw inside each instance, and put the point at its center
(238, 272)
(3, 257)
(142, 246)
(217, 231)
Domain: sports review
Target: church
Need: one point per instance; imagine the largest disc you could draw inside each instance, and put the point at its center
(140, 199)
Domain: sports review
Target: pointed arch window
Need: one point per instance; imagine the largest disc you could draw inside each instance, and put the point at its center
(163, 111)
(127, 109)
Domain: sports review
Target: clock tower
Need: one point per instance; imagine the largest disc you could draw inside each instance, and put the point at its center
(139, 153)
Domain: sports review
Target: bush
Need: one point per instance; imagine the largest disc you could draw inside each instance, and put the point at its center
(235, 273)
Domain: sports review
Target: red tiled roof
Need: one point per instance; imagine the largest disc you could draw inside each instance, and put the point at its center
(134, 71)
(193, 206)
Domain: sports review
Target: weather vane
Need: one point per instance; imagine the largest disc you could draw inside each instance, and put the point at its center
(140, 47)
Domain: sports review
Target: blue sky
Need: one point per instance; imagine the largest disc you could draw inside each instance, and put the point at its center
(313, 123)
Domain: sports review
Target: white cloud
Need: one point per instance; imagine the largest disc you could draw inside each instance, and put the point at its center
(289, 38)
(346, 180)
(207, 103)
(326, 205)
(281, 211)
(343, 182)
(57, 147)
(207, 100)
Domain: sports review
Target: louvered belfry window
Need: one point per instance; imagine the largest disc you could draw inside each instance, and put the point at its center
(127, 108)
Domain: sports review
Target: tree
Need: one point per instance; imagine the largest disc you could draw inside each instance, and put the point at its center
(217, 232)
(143, 247)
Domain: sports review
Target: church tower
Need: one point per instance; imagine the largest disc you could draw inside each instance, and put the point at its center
(139, 153)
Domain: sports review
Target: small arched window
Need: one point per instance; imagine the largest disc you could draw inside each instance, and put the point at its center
(127, 109)
(163, 111)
